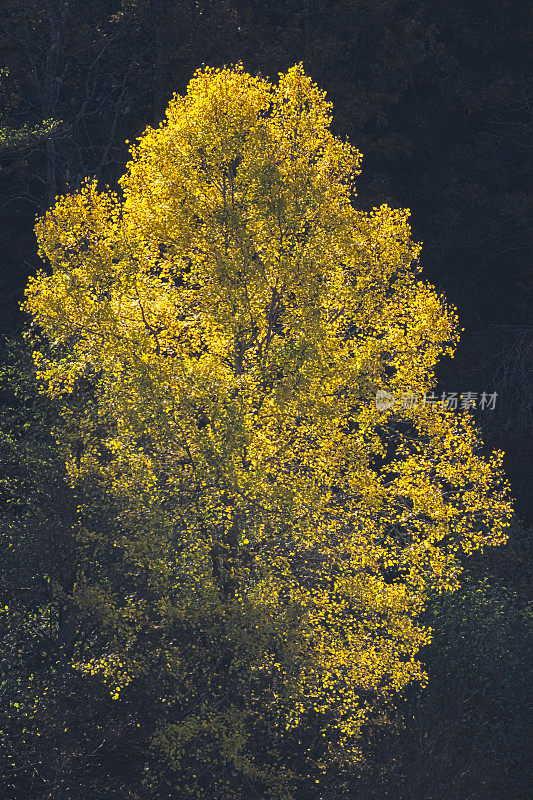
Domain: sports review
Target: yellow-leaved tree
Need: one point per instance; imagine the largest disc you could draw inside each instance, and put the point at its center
(234, 316)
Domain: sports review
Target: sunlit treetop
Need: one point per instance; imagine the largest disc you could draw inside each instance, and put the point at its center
(235, 315)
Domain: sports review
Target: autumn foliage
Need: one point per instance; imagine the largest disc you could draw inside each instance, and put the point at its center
(216, 336)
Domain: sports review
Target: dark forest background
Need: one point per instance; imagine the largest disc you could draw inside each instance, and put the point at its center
(438, 97)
